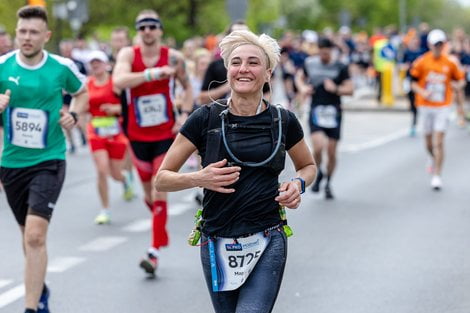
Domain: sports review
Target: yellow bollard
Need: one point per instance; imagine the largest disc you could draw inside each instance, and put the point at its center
(387, 85)
(401, 79)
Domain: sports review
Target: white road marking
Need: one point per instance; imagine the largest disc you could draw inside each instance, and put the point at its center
(138, 226)
(5, 282)
(62, 264)
(103, 243)
(373, 143)
(11, 295)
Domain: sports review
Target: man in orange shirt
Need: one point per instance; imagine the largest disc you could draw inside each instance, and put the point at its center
(432, 75)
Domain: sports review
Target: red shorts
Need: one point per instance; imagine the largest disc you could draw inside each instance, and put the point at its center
(116, 146)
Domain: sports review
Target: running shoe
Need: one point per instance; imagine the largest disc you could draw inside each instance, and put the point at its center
(43, 305)
(72, 149)
(128, 192)
(316, 185)
(413, 131)
(149, 264)
(436, 182)
(102, 218)
(328, 193)
(198, 197)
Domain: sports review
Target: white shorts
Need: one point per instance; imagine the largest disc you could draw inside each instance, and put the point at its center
(434, 119)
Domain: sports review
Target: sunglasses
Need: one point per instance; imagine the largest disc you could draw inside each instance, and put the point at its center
(151, 27)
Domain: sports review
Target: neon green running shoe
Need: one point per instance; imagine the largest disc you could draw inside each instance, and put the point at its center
(102, 218)
(128, 192)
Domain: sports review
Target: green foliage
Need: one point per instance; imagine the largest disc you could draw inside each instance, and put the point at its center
(187, 18)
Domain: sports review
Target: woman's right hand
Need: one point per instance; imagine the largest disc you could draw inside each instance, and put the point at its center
(216, 176)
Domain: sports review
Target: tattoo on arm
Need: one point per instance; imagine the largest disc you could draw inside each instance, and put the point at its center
(173, 60)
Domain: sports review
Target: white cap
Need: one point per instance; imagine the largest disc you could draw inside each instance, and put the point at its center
(344, 30)
(435, 36)
(98, 55)
(310, 35)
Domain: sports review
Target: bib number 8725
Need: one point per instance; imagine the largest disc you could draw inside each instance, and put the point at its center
(25, 126)
(233, 261)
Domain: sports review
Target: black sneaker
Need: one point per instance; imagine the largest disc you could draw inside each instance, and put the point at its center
(198, 198)
(149, 265)
(328, 193)
(316, 186)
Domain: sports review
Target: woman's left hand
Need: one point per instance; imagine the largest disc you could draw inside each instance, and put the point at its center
(289, 195)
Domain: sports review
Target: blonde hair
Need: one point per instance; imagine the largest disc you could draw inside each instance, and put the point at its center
(239, 38)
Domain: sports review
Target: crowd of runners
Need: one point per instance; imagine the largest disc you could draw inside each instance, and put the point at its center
(130, 96)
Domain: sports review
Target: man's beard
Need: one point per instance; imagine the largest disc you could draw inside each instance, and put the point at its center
(149, 41)
(33, 54)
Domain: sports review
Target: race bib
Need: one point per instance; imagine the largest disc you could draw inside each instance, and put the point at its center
(151, 110)
(325, 116)
(438, 92)
(106, 126)
(28, 128)
(232, 260)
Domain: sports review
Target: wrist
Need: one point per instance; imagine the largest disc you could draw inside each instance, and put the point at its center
(151, 74)
(337, 90)
(301, 182)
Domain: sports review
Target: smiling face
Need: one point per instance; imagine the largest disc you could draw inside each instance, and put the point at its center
(247, 70)
(150, 33)
(31, 35)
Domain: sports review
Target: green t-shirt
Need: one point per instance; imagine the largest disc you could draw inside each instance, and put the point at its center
(32, 133)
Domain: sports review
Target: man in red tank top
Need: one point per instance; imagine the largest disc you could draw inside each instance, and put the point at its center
(145, 71)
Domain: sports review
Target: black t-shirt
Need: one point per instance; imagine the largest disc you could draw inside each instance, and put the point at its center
(67, 98)
(317, 72)
(215, 76)
(251, 208)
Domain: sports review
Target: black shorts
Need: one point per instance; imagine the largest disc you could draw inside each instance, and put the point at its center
(1, 121)
(149, 151)
(333, 133)
(33, 189)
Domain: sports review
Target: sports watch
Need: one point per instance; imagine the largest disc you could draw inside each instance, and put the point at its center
(302, 183)
(75, 116)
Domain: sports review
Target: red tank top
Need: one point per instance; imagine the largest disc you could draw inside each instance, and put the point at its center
(150, 110)
(99, 95)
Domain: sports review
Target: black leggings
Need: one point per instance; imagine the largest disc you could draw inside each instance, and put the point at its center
(414, 111)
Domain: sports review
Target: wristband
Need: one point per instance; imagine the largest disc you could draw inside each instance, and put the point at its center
(147, 75)
(75, 117)
(155, 73)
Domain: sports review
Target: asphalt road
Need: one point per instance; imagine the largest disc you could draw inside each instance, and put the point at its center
(386, 244)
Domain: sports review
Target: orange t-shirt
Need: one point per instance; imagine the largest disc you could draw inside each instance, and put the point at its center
(435, 75)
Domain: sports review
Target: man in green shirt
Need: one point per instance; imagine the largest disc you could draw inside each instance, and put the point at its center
(32, 167)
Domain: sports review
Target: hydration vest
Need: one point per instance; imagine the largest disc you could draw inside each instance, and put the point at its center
(215, 148)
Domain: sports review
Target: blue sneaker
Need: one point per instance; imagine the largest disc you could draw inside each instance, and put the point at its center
(43, 305)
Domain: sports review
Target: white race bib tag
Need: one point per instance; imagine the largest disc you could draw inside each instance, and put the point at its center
(151, 110)
(325, 116)
(232, 260)
(28, 128)
(438, 92)
(106, 126)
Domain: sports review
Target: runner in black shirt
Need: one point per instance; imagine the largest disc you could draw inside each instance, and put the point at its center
(242, 143)
(326, 80)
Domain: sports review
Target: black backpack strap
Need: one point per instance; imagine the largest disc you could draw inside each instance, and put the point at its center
(214, 135)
